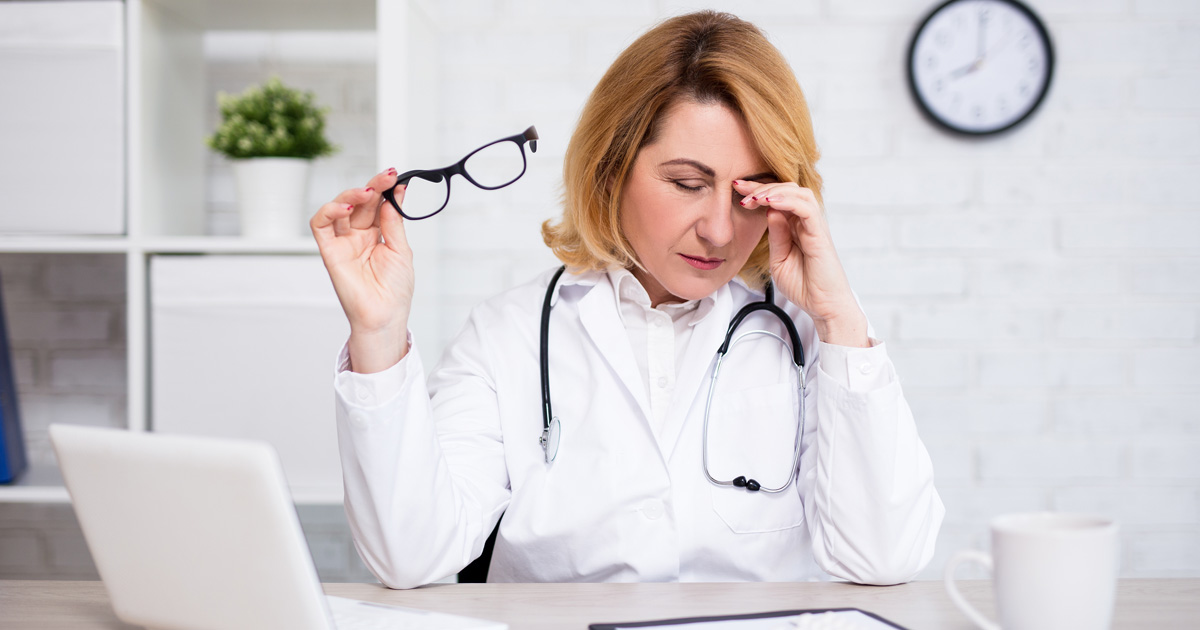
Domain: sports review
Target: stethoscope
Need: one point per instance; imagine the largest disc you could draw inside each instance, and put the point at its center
(552, 429)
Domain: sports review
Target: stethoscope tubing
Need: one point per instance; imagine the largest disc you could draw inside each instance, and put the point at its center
(552, 429)
(751, 484)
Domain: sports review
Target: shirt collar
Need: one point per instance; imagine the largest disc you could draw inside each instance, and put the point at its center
(628, 290)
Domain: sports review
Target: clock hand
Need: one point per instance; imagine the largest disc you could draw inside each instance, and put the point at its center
(981, 49)
(965, 70)
(1003, 43)
(978, 62)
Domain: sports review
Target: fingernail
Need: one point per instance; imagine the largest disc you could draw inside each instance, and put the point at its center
(391, 171)
(767, 199)
(369, 189)
(349, 207)
(754, 198)
(743, 201)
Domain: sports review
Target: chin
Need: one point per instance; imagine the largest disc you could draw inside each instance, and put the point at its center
(694, 288)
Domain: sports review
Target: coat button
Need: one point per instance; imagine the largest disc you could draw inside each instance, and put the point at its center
(358, 419)
(653, 509)
(865, 368)
(662, 381)
(363, 393)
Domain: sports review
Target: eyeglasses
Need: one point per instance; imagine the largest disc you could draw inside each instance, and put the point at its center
(491, 166)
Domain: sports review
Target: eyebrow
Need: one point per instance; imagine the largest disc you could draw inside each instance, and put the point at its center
(704, 168)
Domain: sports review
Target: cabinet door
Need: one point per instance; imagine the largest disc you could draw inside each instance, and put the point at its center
(245, 346)
(62, 120)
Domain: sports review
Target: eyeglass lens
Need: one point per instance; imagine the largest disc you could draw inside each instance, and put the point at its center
(423, 197)
(497, 164)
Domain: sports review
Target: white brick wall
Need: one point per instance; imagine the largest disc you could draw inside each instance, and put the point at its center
(66, 322)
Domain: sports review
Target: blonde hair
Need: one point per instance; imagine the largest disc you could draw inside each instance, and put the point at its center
(704, 57)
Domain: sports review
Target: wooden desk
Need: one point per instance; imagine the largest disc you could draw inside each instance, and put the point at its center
(1158, 604)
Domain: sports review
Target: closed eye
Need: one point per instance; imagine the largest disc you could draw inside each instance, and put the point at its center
(682, 186)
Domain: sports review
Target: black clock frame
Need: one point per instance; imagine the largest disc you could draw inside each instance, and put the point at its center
(932, 117)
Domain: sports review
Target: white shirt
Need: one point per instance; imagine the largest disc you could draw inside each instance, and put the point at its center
(430, 465)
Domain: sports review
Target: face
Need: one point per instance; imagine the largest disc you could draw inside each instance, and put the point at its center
(679, 210)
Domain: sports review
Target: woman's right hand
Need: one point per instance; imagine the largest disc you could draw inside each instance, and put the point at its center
(373, 278)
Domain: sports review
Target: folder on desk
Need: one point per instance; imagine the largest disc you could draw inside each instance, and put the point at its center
(801, 619)
(12, 441)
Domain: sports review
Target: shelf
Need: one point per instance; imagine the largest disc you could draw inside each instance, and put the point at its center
(40, 484)
(227, 245)
(44, 484)
(63, 244)
(275, 15)
(157, 245)
(310, 496)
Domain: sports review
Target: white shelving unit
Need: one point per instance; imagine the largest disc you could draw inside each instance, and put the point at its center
(165, 157)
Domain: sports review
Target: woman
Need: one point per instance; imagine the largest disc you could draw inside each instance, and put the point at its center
(689, 182)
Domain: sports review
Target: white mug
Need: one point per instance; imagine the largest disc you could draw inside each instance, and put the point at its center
(1049, 571)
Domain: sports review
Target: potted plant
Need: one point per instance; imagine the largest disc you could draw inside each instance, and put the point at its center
(271, 133)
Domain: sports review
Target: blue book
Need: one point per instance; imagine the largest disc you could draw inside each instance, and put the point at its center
(12, 441)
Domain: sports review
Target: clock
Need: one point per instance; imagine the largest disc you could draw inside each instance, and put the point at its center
(979, 67)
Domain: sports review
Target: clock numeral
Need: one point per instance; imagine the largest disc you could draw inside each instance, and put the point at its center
(1023, 89)
(977, 112)
(943, 38)
(1034, 64)
(931, 63)
(938, 85)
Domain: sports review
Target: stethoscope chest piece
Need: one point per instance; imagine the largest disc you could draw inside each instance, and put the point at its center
(550, 438)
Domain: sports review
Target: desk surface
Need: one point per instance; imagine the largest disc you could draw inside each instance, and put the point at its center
(1164, 603)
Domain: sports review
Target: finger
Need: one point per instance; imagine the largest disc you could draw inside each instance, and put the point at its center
(366, 206)
(391, 224)
(779, 236)
(370, 199)
(758, 195)
(802, 208)
(748, 190)
(323, 223)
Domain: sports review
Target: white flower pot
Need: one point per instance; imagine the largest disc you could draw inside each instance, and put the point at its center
(271, 195)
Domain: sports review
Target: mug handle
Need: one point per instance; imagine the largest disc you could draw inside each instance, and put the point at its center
(970, 611)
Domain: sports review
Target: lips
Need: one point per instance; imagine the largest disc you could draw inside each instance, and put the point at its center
(699, 262)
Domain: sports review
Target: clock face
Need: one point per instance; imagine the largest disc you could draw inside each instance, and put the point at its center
(980, 66)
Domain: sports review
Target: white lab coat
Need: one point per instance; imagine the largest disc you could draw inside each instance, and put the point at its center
(429, 467)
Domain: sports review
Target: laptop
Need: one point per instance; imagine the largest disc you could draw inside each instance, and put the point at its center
(200, 533)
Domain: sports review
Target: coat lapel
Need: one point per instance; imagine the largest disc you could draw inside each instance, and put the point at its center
(600, 319)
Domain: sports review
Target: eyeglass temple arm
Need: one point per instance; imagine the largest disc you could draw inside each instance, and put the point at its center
(531, 136)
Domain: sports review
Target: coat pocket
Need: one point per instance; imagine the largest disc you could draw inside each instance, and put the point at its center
(753, 433)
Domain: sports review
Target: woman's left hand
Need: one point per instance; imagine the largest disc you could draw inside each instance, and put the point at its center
(804, 265)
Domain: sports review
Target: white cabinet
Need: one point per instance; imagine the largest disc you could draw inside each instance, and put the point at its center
(62, 118)
(244, 346)
(201, 312)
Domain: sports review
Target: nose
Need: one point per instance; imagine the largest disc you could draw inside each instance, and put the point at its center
(716, 224)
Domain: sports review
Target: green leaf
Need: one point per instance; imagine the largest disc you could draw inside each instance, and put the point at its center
(270, 120)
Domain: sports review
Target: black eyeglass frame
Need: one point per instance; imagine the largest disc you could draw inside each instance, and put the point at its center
(437, 175)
